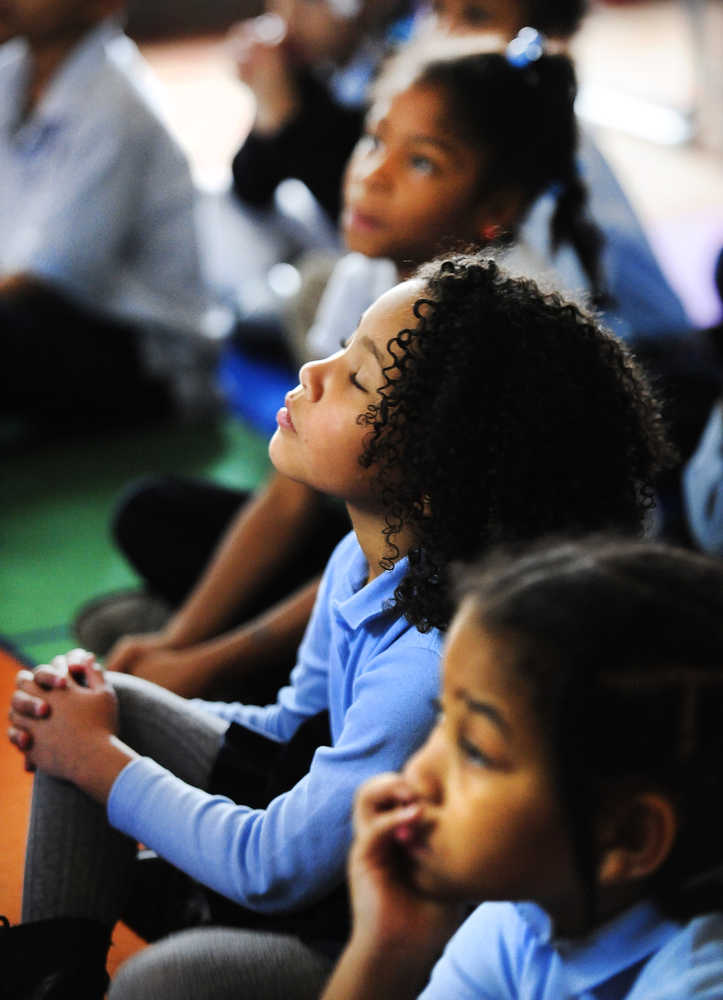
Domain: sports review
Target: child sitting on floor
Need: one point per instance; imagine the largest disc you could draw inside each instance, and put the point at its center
(433, 170)
(468, 408)
(568, 786)
(102, 302)
(642, 306)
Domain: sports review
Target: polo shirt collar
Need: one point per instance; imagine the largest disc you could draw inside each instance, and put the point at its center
(366, 601)
(601, 956)
(69, 85)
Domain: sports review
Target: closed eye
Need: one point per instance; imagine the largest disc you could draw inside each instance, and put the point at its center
(473, 753)
(355, 382)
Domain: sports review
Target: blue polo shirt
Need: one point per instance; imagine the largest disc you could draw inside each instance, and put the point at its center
(377, 676)
(506, 951)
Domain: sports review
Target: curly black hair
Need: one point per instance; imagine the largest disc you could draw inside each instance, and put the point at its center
(506, 414)
(621, 636)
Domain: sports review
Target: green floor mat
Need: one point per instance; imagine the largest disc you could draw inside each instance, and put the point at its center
(55, 505)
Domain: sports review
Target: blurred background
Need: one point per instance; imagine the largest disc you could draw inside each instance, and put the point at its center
(651, 87)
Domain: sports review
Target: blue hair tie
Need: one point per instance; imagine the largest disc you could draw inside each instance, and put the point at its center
(525, 48)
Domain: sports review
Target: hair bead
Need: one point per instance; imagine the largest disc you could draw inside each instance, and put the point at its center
(525, 48)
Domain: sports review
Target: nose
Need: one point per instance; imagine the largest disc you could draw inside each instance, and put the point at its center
(425, 769)
(311, 378)
(373, 169)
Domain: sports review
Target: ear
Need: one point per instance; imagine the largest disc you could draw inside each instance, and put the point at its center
(501, 212)
(636, 838)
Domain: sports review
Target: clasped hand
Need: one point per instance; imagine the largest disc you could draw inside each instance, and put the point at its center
(57, 712)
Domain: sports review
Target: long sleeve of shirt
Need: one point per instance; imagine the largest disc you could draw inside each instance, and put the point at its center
(313, 146)
(377, 676)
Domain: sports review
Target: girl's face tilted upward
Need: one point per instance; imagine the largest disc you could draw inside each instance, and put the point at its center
(319, 439)
(411, 186)
(490, 827)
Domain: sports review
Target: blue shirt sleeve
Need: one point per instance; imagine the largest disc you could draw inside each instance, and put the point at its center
(294, 851)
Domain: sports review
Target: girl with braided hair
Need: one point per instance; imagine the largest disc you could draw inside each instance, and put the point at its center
(468, 408)
(569, 787)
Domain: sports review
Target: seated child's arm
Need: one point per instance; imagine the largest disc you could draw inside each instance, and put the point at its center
(210, 668)
(398, 934)
(259, 539)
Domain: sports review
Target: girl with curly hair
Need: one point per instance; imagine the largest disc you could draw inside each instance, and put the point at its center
(567, 787)
(433, 170)
(468, 408)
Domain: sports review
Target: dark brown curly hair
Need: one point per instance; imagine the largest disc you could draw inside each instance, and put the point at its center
(507, 414)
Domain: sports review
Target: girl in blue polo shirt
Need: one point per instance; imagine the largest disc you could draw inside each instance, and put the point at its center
(570, 783)
(467, 408)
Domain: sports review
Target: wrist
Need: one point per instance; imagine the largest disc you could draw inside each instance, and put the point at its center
(101, 765)
(272, 118)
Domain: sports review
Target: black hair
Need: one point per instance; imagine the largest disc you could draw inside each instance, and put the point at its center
(622, 644)
(506, 414)
(523, 120)
(560, 19)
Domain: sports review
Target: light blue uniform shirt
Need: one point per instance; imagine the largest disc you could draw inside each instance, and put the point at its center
(703, 486)
(505, 951)
(377, 676)
(95, 194)
(645, 306)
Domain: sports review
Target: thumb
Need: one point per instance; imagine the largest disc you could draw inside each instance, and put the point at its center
(84, 668)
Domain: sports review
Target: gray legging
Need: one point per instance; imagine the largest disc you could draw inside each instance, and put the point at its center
(77, 865)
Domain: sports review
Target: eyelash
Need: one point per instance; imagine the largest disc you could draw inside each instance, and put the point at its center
(470, 750)
(353, 380)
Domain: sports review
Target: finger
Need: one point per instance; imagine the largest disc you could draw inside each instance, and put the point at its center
(21, 738)
(24, 722)
(49, 677)
(28, 705)
(79, 656)
(91, 672)
(121, 657)
(25, 681)
(381, 793)
(60, 662)
(377, 837)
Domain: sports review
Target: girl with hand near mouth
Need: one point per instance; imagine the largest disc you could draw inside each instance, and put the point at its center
(467, 408)
(567, 787)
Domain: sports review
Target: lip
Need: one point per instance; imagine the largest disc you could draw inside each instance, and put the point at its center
(361, 222)
(283, 417)
(412, 837)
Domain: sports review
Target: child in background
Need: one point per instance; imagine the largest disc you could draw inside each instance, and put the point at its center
(434, 169)
(100, 276)
(308, 64)
(496, 156)
(466, 409)
(642, 307)
(568, 785)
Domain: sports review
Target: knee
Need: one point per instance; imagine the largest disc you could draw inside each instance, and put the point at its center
(137, 511)
(225, 964)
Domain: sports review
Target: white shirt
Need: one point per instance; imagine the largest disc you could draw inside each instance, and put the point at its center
(354, 284)
(95, 195)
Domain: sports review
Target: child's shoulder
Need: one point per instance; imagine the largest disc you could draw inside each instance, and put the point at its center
(689, 966)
